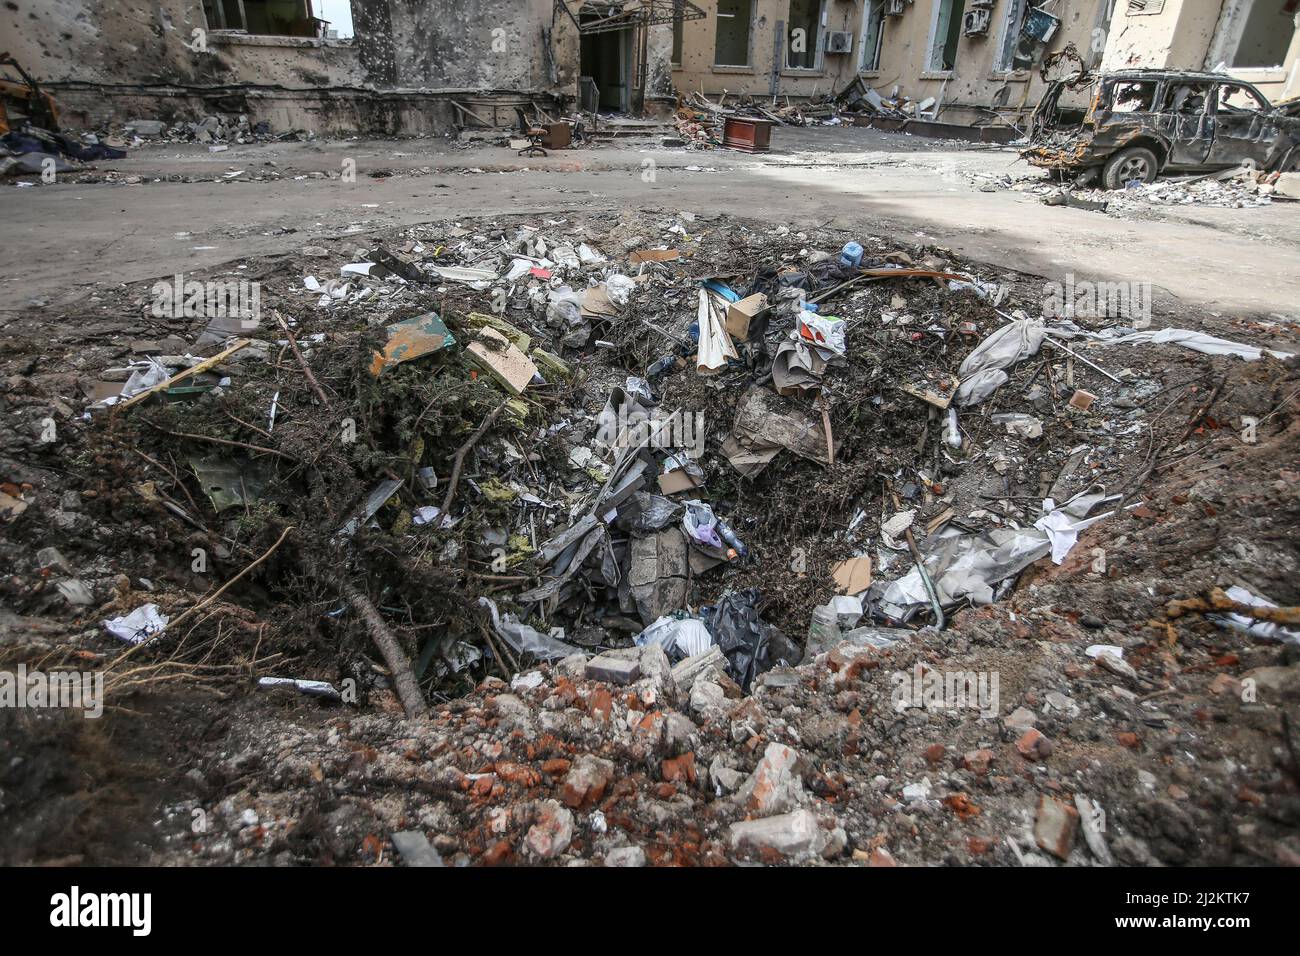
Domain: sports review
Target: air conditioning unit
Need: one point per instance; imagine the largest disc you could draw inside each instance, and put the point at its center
(839, 41)
(895, 8)
(975, 23)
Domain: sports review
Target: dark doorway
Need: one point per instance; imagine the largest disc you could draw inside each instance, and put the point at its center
(607, 59)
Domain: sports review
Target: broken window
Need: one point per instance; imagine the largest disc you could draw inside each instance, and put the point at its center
(1015, 13)
(947, 32)
(873, 28)
(1133, 96)
(285, 18)
(1239, 99)
(679, 29)
(1185, 97)
(337, 15)
(731, 42)
(803, 32)
(1262, 33)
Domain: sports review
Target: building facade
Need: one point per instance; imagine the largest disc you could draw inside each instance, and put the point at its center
(975, 58)
(418, 66)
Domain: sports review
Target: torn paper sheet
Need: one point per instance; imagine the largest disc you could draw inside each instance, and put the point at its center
(1062, 526)
(715, 344)
(141, 625)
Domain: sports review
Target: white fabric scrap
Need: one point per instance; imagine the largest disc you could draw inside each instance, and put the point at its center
(982, 372)
(1198, 341)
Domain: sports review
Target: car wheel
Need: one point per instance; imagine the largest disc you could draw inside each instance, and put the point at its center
(1136, 162)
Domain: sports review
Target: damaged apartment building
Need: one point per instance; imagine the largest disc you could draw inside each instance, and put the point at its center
(403, 67)
(396, 67)
(974, 61)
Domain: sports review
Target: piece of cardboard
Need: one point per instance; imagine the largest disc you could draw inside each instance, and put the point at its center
(410, 340)
(797, 368)
(748, 461)
(596, 304)
(654, 255)
(676, 481)
(740, 315)
(102, 390)
(764, 419)
(509, 366)
(1082, 400)
(852, 576)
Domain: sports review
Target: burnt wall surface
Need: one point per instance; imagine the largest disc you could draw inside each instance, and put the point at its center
(400, 44)
(476, 44)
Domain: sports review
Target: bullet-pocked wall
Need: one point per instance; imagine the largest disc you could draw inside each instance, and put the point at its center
(477, 44)
(119, 59)
(962, 52)
(1253, 40)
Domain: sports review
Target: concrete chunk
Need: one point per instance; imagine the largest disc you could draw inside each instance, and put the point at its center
(775, 785)
(687, 671)
(1055, 826)
(415, 848)
(796, 834)
(612, 670)
(631, 856)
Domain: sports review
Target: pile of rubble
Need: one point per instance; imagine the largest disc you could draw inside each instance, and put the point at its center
(1234, 188)
(635, 520)
(217, 129)
(699, 119)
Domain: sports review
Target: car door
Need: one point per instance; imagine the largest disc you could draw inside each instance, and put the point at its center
(1244, 127)
(1187, 120)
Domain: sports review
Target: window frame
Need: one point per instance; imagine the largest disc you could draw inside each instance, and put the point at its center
(242, 29)
(934, 49)
(819, 42)
(869, 6)
(748, 65)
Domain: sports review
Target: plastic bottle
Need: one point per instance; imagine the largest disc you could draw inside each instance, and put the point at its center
(851, 255)
(661, 366)
(952, 432)
(729, 536)
(823, 628)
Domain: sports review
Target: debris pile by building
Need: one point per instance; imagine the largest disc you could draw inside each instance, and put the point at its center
(1233, 188)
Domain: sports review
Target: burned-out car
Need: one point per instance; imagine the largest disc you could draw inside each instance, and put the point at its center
(1140, 123)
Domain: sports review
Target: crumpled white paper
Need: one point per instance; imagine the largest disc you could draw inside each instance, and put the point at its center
(139, 626)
